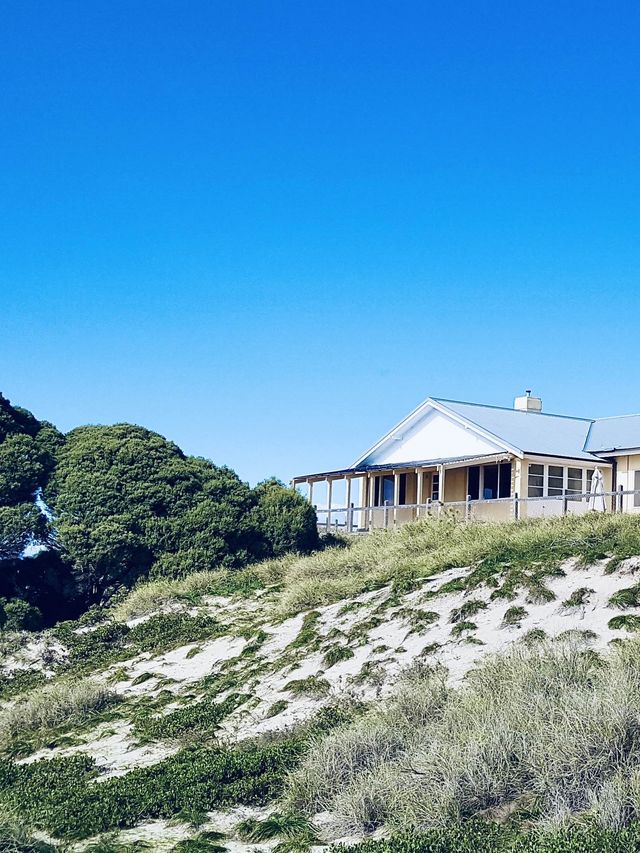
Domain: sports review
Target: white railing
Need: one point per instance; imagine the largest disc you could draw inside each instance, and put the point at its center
(362, 519)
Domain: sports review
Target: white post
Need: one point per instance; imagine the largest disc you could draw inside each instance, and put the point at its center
(329, 496)
(310, 485)
(419, 486)
(441, 488)
(372, 492)
(396, 497)
(348, 516)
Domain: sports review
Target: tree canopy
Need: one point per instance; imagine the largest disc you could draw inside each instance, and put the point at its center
(103, 506)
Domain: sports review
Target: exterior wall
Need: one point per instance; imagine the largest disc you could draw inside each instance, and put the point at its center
(455, 485)
(625, 477)
(553, 506)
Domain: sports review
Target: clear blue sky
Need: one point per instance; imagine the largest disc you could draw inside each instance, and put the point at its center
(269, 229)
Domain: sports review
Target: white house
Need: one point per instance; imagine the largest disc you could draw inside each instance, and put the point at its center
(486, 462)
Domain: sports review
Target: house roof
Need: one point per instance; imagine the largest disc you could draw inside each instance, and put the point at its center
(529, 432)
(419, 463)
(610, 434)
(518, 432)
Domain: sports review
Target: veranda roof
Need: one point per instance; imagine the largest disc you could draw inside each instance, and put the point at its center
(421, 463)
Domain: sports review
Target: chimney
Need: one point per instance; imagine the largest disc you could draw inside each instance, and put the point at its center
(527, 403)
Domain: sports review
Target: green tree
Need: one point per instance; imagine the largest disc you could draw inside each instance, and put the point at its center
(126, 500)
(287, 521)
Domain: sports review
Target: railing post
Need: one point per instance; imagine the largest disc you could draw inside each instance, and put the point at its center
(467, 508)
(565, 505)
(621, 499)
(385, 515)
(350, 518)
(516, 506)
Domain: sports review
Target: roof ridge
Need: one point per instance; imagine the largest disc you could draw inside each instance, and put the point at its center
(519, 411)
(618, 417)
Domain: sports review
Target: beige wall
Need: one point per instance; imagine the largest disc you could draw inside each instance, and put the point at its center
(625, 477)
(455, 485)
(553, 507)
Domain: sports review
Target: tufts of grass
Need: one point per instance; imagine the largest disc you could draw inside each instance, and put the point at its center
(467, 610)
(461, 627)
(539, 593)
(514, 616)
(626, 598)
(579, 597)
(535, 635)
(16, 838)
(64, 703)
(152, 596)
(626, 622)
(311, 686)
(502, 555)
(545, 734)
(294, 831)
(336, 654)
(278, 707)
(308, 637)
(204, 842)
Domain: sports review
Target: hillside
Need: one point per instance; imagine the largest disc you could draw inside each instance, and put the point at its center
(406, 681)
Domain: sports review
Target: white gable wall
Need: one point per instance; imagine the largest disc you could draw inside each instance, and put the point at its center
(433, 436)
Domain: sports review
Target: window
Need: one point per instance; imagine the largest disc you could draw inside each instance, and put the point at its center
(574, 481)
(490, 482)
(556, 480)
(473, 482)
(504, 486)
(536, 481)
(636, 488)
(435, 487)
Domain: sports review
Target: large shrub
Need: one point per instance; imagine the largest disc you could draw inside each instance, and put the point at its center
(126, 499)
(287, 521)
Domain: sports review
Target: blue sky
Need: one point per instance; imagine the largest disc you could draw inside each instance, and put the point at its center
(269, 229)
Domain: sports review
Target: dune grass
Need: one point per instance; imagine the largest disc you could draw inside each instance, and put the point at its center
(547, 734)
(507, 556)
(52, 706)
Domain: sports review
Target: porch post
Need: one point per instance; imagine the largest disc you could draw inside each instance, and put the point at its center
(347, 502)
(396, 496)
(441, 490)
(329, 497)
(310, 495)
(371, 490)
(419, 484)
(364, 492)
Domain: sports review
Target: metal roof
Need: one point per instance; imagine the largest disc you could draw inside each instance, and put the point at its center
(420, 463)
(609, 434)
(530, 432)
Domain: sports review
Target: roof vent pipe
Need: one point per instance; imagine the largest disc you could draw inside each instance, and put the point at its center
(527, 403)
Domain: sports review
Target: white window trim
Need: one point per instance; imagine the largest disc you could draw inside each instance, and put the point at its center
(565, 478)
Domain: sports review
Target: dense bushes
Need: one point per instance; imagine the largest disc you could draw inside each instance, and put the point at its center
(111, 504)
(62, 796)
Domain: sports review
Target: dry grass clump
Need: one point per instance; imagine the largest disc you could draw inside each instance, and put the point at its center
(507, 556)
(514, 553)
(154, 595)
(553, 728)
(51, 706)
